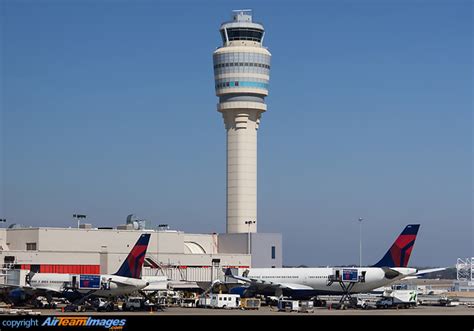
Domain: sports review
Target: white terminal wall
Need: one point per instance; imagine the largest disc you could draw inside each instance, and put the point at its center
(3, 239)
(16, 239)
(109, 248)
(260, 247)
(114, 241)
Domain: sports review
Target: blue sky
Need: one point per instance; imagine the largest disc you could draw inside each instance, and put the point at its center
(108, 108)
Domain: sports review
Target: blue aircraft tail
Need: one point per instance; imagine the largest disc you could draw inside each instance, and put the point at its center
(132, 266)
(399, 254)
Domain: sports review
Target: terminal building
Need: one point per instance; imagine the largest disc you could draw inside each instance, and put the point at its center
(179, 256)
(87, 250)
(241, 72)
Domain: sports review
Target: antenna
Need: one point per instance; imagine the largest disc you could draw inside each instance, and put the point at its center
(242, 15)
(242, 10)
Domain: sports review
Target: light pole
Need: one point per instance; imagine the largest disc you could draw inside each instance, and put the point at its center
(78, 217)
(248, 235)
(360, 241)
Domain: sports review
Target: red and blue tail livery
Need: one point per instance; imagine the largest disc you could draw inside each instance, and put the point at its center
(132, 266)
(399, 254)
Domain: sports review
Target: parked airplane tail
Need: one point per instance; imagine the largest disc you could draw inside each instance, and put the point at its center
(132, 266)
(399, 254)
(228, 272)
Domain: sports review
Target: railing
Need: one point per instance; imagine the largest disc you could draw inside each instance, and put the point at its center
(339, 278)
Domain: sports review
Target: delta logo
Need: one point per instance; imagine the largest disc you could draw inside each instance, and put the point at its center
(108, 323)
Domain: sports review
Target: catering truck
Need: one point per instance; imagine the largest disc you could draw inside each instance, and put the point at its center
(226, 301)
(398, 299)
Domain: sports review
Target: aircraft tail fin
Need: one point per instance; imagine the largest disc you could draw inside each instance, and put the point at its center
(228, 272)
(399, 254)
(132, 266)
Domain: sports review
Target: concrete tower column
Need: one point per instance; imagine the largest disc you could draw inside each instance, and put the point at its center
(241, 72)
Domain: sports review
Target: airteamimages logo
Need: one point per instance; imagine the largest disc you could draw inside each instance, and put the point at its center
(108, 323)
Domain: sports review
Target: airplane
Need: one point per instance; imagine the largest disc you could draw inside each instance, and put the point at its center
(306, 283)
(79, 287)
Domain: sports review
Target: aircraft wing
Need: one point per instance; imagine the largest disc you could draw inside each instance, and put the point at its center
(14, 287)
(31, 290)
(423, 272)
(294, 286)
(10, 286)
(244, 279)
(427, 271)
(121, 283)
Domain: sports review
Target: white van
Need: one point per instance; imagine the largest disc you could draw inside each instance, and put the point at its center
(225, 301)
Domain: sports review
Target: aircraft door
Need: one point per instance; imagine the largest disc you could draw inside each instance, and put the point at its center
(105, 284)
(74, 282)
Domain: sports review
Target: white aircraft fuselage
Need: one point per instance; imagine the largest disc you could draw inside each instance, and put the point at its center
(111, 285)
(315, 281)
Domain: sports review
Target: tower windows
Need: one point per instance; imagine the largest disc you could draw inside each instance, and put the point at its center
(243, 34)
(262, 85)
(242, 67)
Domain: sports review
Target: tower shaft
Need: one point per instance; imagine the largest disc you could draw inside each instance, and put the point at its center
(241, 126)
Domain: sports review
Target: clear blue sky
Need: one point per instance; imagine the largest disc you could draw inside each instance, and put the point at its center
(108, 108)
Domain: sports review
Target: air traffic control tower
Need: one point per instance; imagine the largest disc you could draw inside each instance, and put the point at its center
(241, 73)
